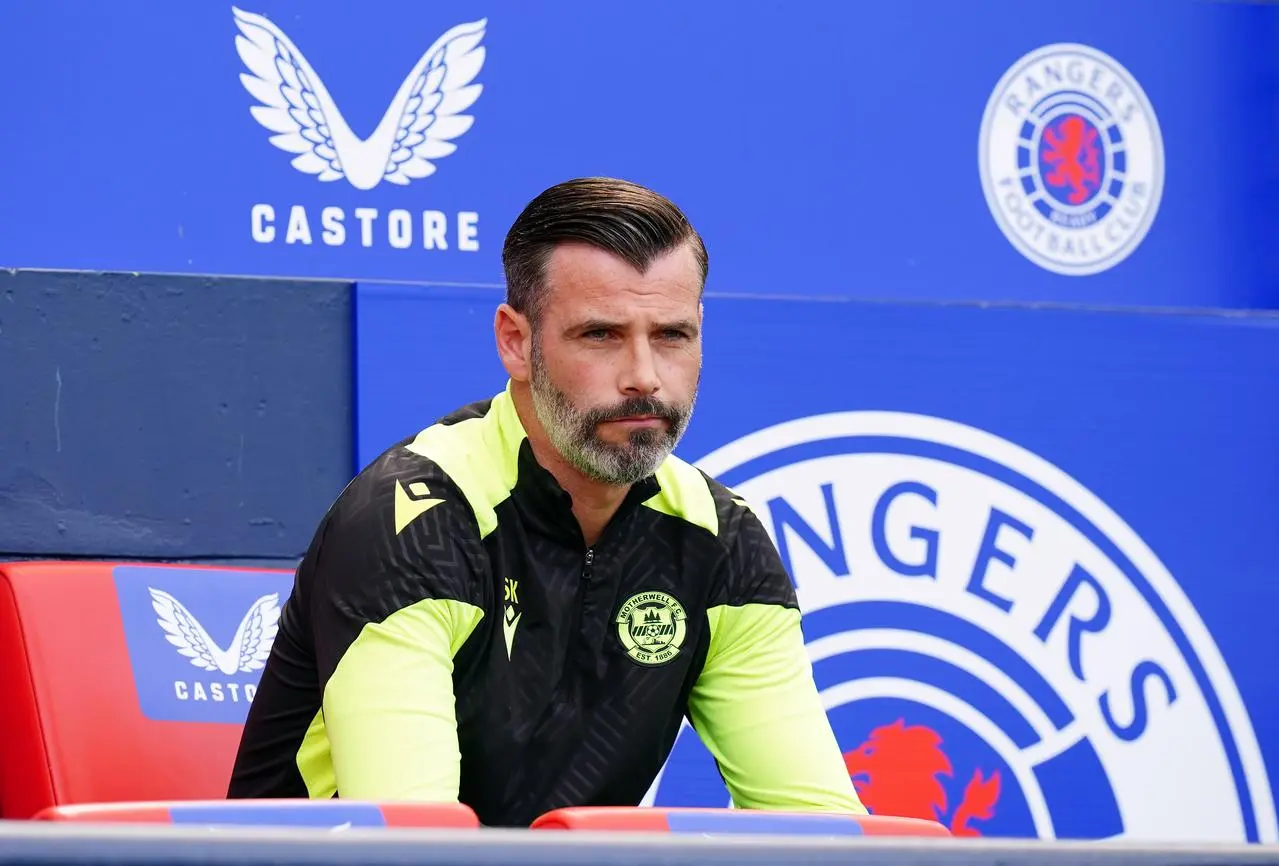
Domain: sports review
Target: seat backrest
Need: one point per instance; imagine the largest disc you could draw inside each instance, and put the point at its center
(127, 682)
(733, 821)
(333, 814)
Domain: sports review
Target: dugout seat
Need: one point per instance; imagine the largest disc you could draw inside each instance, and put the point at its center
(127, 682)
(733, 822)
(332, 814)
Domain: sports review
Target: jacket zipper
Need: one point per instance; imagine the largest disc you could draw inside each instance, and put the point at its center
(574, 658)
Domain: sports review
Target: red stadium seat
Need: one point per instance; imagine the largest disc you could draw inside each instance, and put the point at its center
(126, 682)
(280, 813)
(733, 821)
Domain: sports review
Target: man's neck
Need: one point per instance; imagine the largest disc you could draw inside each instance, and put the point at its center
(594, 503)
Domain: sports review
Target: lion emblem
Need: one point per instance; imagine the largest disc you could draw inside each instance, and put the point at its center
(898, 771)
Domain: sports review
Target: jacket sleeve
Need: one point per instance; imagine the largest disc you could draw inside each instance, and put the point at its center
(398, 581)
(755, 704)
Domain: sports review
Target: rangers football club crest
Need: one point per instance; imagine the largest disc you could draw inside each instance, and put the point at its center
(995, 647)
(1071, 159)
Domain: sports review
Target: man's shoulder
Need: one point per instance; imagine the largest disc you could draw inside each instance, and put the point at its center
(395, 489)
(458, 464)
(755, 574)
(400, 532)
(689, 493)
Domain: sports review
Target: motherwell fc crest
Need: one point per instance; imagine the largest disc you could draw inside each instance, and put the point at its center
(651, 626)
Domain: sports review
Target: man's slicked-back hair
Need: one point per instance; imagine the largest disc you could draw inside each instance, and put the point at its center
(628, 220)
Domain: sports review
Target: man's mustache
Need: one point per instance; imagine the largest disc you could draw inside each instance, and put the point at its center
(637, 406)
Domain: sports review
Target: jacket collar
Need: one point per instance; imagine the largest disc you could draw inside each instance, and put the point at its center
(539, 495)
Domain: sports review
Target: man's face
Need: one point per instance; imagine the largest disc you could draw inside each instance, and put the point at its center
(616, 359)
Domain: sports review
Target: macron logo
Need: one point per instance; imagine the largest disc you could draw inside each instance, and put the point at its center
(411, 503)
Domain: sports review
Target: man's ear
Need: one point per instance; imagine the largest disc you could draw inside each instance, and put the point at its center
(514, 335)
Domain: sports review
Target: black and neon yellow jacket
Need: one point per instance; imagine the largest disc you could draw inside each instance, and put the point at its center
(450, 637)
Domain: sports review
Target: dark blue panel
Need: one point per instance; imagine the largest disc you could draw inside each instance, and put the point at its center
(170, 416)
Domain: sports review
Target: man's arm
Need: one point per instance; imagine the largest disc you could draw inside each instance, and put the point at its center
(755, 704)
(394, 602)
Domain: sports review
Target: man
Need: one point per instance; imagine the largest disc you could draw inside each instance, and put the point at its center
(516, 607)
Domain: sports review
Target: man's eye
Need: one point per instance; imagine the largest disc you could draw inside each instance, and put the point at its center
(674, 335)
(596, 334)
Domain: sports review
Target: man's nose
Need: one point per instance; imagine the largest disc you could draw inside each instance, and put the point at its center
(640, 376)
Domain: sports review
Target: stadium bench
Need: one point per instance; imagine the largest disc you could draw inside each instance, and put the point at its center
(332, 814)
(103, 703)
(733, 821)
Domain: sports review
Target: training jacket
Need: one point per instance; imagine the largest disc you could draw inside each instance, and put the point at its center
(451, 637)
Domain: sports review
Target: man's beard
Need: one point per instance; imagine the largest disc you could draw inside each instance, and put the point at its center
(575, 432)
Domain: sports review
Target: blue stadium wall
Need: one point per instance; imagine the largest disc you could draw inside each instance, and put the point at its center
(991, 341)
(1039, 541)
(919, 149)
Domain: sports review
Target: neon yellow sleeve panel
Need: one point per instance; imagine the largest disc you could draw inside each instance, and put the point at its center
(757, 709)
(389, 706)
